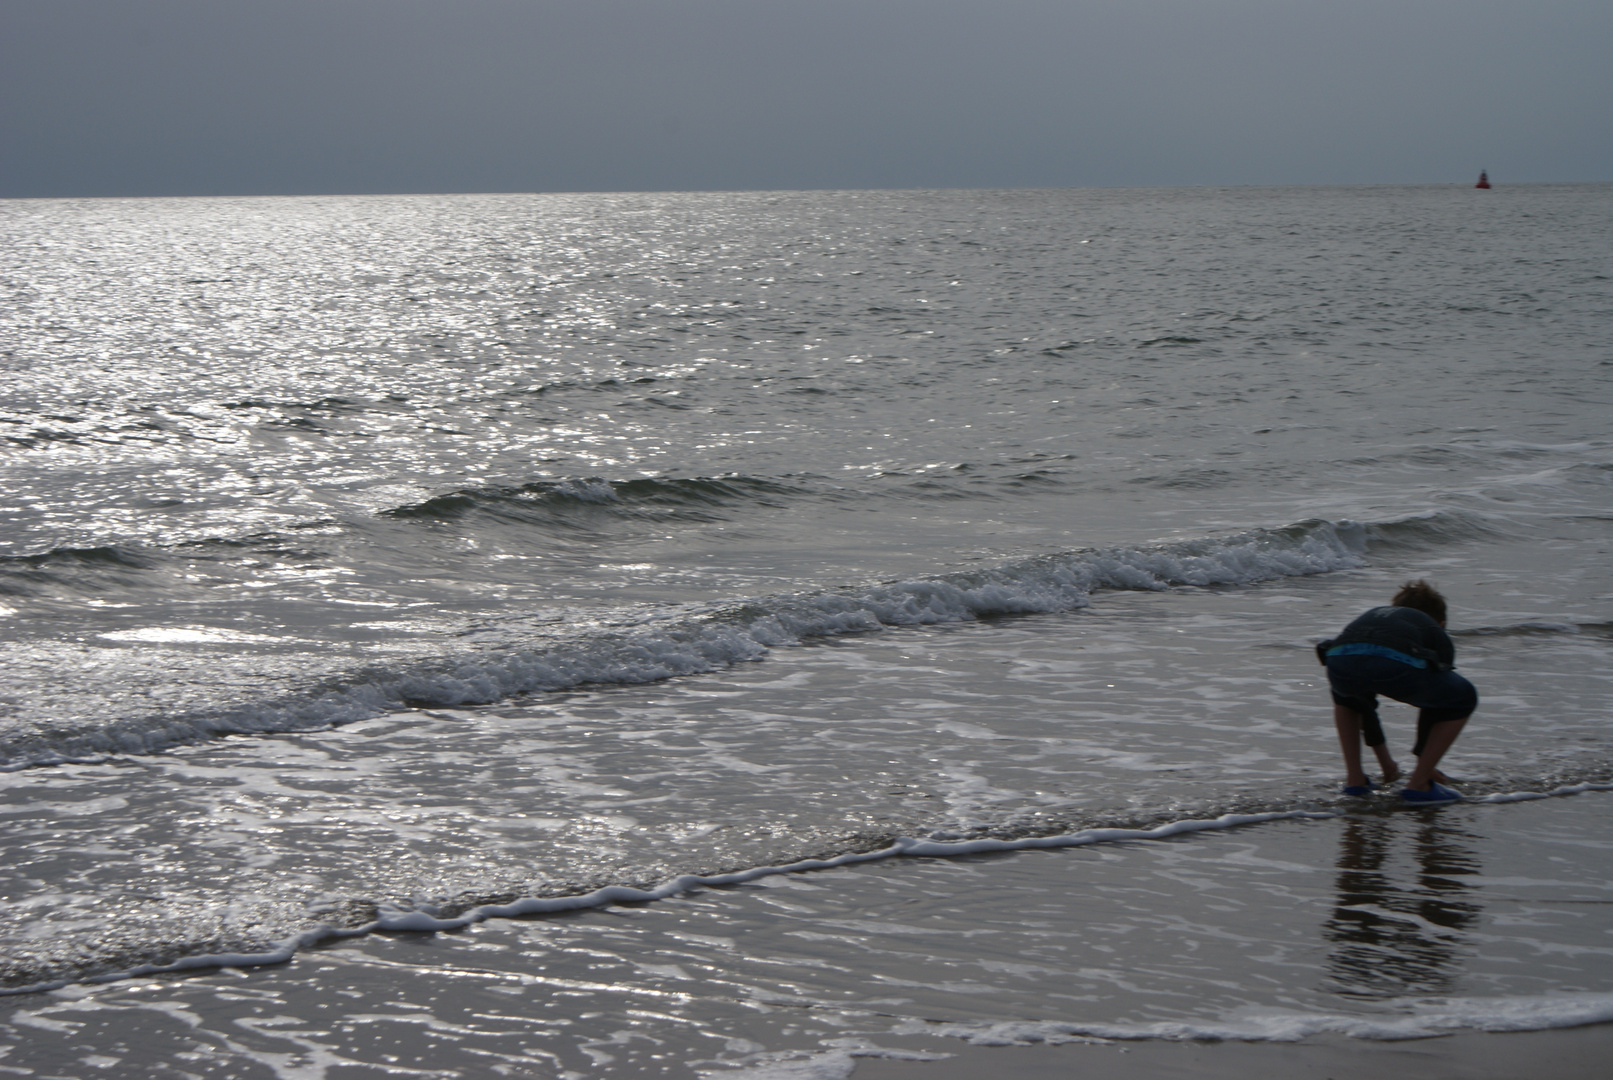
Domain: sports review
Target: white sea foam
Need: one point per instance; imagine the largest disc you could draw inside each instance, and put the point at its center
(1395, 1019)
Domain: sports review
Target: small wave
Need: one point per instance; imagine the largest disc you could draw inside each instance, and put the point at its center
(1419, 532)
(104, 555)
(540, 500)
(722, 636)
(20, 575)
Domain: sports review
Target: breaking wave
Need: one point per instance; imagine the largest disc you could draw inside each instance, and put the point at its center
(691, 641)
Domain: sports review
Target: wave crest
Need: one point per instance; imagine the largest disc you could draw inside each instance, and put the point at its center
(697, 640)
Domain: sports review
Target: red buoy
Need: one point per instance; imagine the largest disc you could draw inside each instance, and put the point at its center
(1484, 179)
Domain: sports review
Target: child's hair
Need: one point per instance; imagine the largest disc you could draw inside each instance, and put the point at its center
(1422, 597)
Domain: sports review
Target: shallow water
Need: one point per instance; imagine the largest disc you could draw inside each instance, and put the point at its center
(1378, 924)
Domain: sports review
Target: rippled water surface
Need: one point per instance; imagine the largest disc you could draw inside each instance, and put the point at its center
(386, 558)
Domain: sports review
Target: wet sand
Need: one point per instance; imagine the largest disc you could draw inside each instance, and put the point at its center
(1581, 1053)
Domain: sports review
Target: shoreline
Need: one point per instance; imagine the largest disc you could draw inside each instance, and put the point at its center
(1453, 944)
(429, 919)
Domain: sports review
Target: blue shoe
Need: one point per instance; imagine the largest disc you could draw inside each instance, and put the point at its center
(1360, 791)
(1436, 793)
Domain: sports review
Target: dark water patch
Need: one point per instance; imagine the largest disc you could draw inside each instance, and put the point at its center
(620, 384)
(1026, 459)
(40, 436)
(325, 404)
(95, 568)
(104, 555)
(563, 502)
(1189, 479)
(939, 489)
(1060, 349)
(1042, 478)
(297, 423)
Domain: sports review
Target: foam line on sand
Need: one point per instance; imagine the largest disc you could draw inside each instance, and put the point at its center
(427, 919)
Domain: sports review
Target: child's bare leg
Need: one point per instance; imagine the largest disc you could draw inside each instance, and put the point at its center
(1348, 723)
(1387, 763)
(1440, 738)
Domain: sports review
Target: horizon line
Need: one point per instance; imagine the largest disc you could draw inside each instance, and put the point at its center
(788, 191)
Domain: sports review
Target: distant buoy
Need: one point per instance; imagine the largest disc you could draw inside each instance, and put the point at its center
(1484, 179)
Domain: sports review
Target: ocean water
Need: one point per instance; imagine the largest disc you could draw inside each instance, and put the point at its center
(399, 563)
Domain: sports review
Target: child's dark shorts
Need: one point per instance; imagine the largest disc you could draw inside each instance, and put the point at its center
(1438, 696)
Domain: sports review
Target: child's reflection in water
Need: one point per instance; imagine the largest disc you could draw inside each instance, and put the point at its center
(1399, 925)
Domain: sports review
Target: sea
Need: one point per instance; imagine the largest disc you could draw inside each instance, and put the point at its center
(720, 634)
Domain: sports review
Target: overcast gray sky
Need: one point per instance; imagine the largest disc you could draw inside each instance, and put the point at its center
(196, 97)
